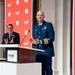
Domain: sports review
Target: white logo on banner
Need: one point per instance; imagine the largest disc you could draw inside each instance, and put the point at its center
(26, 32)
(25, 1)
(17, 23)
(26, 11)
(9, 4)
(26, 22)
(17, 2)
(25, 43)
(17, 13)
(9, 14)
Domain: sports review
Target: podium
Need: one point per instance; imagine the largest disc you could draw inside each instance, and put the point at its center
(24, 58)
(19, 54)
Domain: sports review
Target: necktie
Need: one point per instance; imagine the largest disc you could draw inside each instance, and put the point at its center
(10, 36)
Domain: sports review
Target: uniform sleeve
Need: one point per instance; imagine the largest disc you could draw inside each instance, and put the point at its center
(33, 32)
(50, 33)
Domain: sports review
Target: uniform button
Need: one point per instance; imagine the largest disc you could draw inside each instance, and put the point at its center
(35, 35)
(38, 36)
(39, 32)
(39, 45)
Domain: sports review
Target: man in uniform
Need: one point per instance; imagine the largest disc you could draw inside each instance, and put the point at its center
(43, 37)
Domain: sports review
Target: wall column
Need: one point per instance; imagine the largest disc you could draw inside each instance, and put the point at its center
(62, 42)
(58, 12)
(1, 25)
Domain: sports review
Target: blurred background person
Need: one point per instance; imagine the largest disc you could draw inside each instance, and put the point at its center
(10, 37)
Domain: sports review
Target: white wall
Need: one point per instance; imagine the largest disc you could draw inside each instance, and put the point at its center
(58, 12)
(48, 8)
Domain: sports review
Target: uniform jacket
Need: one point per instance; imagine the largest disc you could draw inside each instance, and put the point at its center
(15, 37)
(45, 33)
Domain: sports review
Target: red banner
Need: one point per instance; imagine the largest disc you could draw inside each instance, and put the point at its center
(19, 13)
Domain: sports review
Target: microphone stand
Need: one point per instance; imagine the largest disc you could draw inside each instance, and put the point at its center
(24, 37)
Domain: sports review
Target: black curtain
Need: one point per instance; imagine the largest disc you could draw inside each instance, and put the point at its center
(34, 11)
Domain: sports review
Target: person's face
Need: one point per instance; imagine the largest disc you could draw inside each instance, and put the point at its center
(40, 16)
(10, 28)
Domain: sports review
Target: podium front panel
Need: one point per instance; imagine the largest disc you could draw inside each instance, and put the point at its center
(26, 55)
(20, 55)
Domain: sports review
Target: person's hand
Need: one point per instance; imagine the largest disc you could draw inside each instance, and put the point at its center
(6, 41)
(37, 41)
(33, 41)
(12, 40)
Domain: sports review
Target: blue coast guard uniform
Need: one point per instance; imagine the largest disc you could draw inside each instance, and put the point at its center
(45, 33)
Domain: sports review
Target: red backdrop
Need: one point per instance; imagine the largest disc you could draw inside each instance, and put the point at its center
(19, 13)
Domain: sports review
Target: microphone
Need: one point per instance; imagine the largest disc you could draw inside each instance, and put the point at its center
(25, 36)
